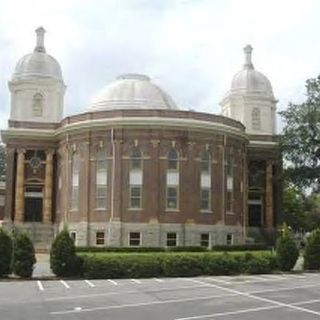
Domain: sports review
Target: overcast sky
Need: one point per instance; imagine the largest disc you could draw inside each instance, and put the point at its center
(190, 48)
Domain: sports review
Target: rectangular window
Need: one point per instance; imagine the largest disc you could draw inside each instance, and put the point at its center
(172, 197)
(101, 197)
(229, 239)
(135, 196)
(171, 239)
(134, 239)
(205, 199)
(100, 238)
(205, 240)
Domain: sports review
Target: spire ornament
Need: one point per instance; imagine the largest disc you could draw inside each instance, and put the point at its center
(40, 40)
(247, 53)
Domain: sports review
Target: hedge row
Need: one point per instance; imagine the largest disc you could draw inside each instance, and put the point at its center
(97, 266)
(246, 247)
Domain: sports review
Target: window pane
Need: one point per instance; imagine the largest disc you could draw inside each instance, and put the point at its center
(172, 192)
(205, 162)
(135, 191)
(173, 160)
(171, 239)
(136, 161)
(135, 203)
(205, 240)
(134, 238)
(100, 238)
(205, 199)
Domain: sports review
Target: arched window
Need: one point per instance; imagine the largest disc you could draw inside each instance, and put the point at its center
(101, 179)
(256, 119)
(173, 160)
(37, 105)
(75, 170)
(136, 159)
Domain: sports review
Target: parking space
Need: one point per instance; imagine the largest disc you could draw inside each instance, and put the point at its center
(294, 296)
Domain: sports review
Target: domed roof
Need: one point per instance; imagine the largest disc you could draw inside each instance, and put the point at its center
(249, 80)
(38, 64)
(131, 91)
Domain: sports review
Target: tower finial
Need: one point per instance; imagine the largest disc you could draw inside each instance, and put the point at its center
(40, 40)
(247, 52)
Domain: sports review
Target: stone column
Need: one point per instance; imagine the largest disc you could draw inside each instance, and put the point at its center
(47, 207)
(269, 195)
(19, 200)
(10, 184)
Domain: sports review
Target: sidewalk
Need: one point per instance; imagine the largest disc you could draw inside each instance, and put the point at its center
(42, 267)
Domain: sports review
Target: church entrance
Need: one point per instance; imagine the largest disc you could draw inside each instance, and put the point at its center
(255, 212)
(33, 203)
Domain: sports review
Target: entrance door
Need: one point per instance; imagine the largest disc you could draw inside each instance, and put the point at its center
(33, 204)
(255, 214)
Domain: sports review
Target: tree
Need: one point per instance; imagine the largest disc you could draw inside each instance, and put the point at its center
(63, 259)
(287, 251)
(300, 141)
(312, 251)
(24, 256)
(2, 162)
(5, 253)
(294, 213)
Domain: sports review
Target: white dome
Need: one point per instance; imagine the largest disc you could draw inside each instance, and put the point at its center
(38, 64)
(249, 80)
(131, 91)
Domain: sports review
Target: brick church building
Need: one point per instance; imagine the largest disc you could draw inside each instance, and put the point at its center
(133, 169)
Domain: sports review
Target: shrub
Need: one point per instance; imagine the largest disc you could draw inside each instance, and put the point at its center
(312, 251)
(287, 251)
(121, 266)
(221, 264)
(262, 263)
(135, 265)
(24, 256)
(63, 259)
(5, 253)
(182, 265)
(120, 249)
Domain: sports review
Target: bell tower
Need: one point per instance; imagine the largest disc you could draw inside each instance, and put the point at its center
(37, 88)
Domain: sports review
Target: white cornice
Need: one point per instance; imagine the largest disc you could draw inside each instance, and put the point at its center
(126, 122)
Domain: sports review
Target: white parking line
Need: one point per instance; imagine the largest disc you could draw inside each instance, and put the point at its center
(113, 282)
(92, 285)
(218, 280)
(274, 302)
(136, 281)
(65, 284)
(40, 285)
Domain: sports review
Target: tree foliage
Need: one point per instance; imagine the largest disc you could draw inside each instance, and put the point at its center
(312, 251)
(300, 211)
(63, 259)
(24, 256)
(5, 253)
(300, 141)
(2, 162)
(287, 251)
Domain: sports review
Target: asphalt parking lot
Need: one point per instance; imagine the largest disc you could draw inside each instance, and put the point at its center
(263, 297)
